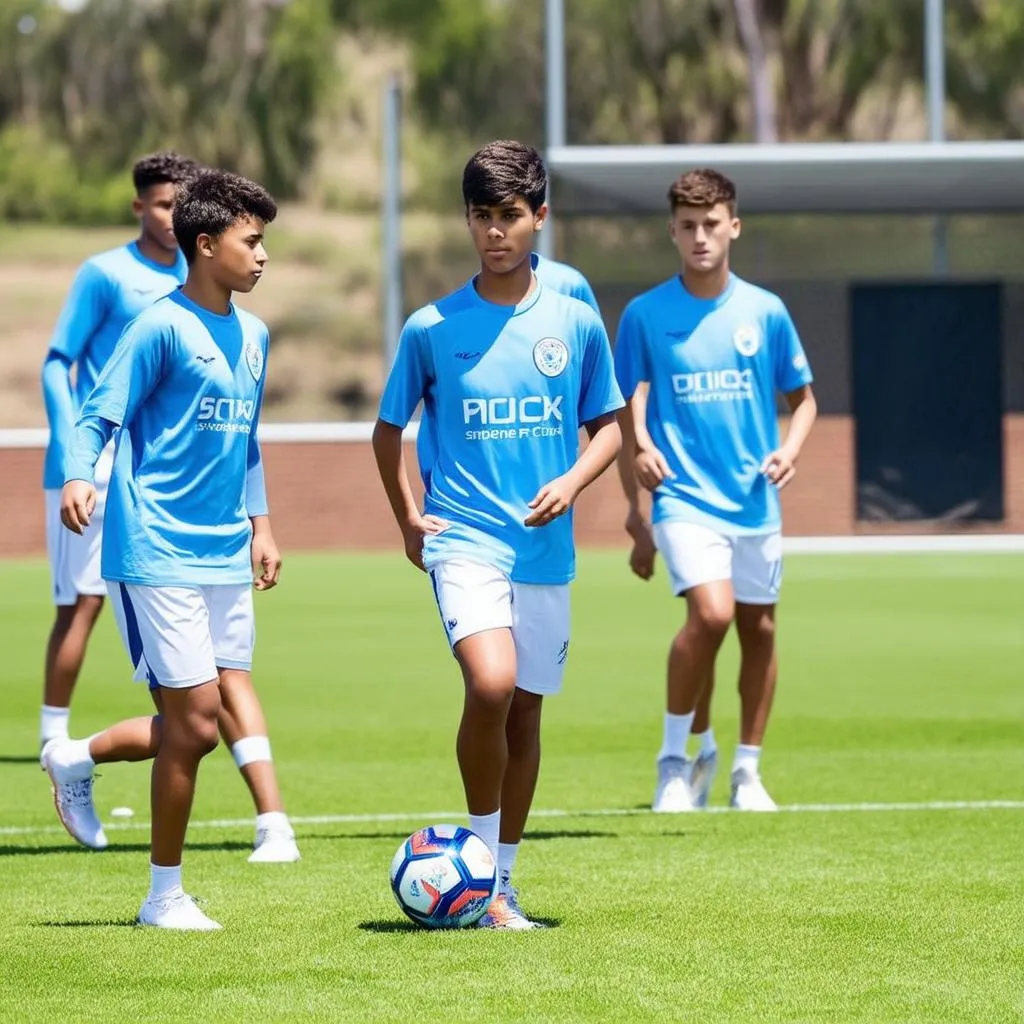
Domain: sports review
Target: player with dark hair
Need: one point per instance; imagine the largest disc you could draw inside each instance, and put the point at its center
(187, 523)
(713, 352)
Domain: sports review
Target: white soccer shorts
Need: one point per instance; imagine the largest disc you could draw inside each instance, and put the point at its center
(473, 597)
(178, 637)
(696, 554)
(75, 558)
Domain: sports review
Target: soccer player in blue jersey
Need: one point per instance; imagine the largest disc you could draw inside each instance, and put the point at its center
(550, 273)
(508, 370)
(187, 525)
(714, 351)
(109, 290)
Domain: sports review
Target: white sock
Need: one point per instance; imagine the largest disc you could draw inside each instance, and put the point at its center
(53, 723)
(707, 742)
(506, 862)
(164, 882)
(676, 733)
(486, 827)
(72, 761)
(273, 821)
(747, 758)
(249, 749)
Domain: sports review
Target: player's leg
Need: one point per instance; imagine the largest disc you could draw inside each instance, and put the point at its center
(540, 629)
(705, 758)
(78, 592)
(699, 563)
(758, 578)
(475, 603)
(242, 722)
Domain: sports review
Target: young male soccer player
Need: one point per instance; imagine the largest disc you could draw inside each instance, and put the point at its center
(714, 351)
(109, 290)
(508, 370)
(187, 521)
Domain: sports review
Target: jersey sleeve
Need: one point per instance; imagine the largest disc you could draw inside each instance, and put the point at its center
(407, 382)
(599, 394)
(82, 313)
(585, 293)
(791, 367)
(131, 373)
(630, 354)
(255, 480)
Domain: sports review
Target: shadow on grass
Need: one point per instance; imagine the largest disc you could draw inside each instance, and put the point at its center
(124, 922)
(398, 836)
(389, 927)
(60, 848)
(14, 759)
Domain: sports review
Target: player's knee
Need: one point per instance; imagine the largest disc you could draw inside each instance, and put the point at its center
(711, 619)
(204, 734)
(756, 631)
(87, 608)
(490, 693)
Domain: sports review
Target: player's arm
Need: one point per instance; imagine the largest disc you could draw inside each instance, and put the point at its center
(632, 422)
(793, 378)
(780, 466)
(124, 384)
(263, 549)
(80, 317)
(406, 384)
(388, 451)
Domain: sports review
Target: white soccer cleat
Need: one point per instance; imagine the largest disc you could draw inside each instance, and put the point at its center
(176, 911)
(673, 795)
(701, 777)
(505, 914)
(748, 792)
(73, 800)
(274, 847)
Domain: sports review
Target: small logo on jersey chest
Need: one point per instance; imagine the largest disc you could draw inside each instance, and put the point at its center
(747, 339)
(550, 356)
(254, 359)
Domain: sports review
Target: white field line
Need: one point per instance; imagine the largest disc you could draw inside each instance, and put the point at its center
(607, 812)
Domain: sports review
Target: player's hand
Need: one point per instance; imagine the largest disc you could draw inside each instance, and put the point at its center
(553, 500)
(77, 503)
(651, 468)
(266, 561)
(415, 530)
(779, 468)
(641, 558)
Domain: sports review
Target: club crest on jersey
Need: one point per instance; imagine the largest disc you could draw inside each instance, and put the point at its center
(550, 356)
(747, 339)
(254, 359)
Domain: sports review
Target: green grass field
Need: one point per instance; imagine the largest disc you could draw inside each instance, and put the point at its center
(901, 684)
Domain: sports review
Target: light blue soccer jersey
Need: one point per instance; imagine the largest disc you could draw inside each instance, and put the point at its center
(559, 276)
(109, 291)
(714, 367)
(508, 388)
(186, 387)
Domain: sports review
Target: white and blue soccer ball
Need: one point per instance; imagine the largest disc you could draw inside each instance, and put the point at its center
(444, 876)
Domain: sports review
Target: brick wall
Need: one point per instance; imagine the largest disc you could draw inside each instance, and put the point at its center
(326, 495)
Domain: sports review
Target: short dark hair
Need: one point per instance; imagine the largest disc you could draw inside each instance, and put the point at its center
(502, 171)
(162, 168)
(703, 187)
(211, 201)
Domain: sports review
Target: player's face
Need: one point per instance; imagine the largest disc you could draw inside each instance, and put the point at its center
(154, 209)
(702, 235)
(504, 235)
(238, 255)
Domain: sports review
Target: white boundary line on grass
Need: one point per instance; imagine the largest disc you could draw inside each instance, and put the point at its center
(607, 812)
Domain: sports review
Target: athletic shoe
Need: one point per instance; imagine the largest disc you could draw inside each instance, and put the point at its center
(701, 777)
(274, 846)
(748, 792)
(73, 800)
(177, 911)
(673, 794)
(505, 913)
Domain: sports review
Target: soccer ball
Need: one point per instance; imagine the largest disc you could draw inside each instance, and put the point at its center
(443, 876)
